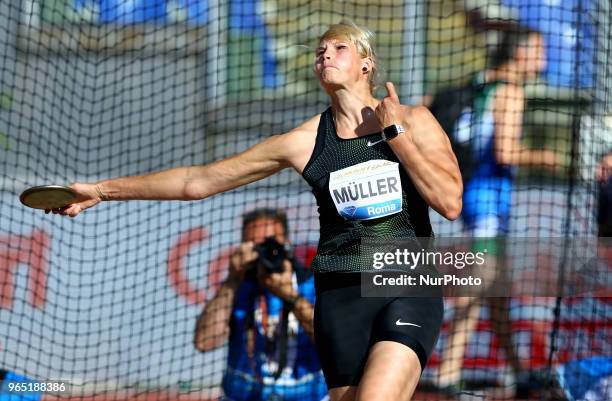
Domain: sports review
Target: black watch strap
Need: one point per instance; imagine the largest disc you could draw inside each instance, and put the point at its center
(392, 131)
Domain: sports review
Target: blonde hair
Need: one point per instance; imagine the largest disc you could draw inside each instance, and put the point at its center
(362, 39)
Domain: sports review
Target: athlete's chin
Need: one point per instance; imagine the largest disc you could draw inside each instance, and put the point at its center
(330, 84)
(331, 90)
(327, 77)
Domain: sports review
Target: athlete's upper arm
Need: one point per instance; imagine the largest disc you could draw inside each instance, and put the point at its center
(508, 115)
(261, 160)
(427, 132)
(299, 143)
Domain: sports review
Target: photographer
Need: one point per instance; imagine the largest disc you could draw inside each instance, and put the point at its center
(265, 307)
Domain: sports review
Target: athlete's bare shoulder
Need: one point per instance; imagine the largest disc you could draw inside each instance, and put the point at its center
(299, 143)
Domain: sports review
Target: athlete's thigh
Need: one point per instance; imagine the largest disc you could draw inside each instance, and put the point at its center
(391, 373)
(343, 324)
(344, 393)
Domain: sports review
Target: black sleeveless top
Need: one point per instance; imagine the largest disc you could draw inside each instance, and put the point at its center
(345, 245)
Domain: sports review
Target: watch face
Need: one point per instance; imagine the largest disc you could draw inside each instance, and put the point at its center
(392, 131)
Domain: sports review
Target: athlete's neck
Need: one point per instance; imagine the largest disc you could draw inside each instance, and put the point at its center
(353, 113)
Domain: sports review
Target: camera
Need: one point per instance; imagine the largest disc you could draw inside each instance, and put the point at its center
(272, 254)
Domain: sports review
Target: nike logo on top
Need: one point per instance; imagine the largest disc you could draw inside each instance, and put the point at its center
(400, 323)
(370, 143)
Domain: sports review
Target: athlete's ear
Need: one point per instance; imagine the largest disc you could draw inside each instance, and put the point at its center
(367, 64)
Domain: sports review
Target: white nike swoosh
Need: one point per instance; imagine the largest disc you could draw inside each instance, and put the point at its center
(399, 323)
(370, 143)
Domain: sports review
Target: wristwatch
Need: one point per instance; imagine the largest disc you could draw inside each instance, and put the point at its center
(392, 131)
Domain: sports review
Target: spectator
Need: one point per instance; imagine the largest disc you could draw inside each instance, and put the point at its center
(265, 307)
(491, 127)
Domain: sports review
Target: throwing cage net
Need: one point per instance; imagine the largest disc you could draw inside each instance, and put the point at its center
(108, 302)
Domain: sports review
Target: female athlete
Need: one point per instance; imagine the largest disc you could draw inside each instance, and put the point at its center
(367, 183)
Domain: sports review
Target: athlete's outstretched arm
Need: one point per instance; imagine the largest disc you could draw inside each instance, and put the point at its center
(199, 182)
(426, 154)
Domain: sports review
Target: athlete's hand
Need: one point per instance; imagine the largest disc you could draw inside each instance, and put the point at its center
(390, 111)
(241, 260)
(88, 195)
(279, 284)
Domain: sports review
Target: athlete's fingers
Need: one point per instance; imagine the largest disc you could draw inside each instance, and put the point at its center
(73, 210)
(391, 91)
(63, 211)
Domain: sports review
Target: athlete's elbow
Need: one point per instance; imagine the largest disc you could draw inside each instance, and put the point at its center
(452, 209)
(193, 191)
(453, 214)
(451, 202)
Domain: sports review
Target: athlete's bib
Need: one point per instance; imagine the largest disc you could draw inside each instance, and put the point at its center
(367, 190)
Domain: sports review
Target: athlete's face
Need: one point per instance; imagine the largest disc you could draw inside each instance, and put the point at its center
(531, 57)
(338, 64)
(260, 229)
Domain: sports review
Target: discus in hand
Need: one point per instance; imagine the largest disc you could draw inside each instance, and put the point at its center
(48, 197)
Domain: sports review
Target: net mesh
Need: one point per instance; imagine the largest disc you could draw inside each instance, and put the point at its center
(93, 89)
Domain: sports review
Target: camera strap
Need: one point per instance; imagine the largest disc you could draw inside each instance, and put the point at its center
(259, 303)
(282, 341)
(284, 329)
(283, 335)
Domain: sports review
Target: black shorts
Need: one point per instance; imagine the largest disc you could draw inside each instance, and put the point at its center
(347, 325)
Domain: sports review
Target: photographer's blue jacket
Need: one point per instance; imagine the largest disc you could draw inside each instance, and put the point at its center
(254, 347)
